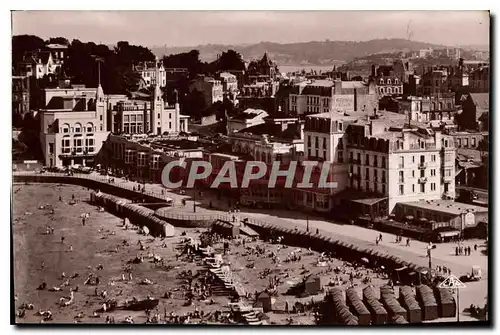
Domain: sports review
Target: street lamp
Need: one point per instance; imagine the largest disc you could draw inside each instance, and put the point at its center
(194, 201)
(429, 255)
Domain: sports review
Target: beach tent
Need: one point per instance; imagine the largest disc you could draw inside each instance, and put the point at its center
(447, 307)
(408, 301)
(427, 302)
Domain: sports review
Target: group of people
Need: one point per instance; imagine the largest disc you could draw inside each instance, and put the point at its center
(464, 250)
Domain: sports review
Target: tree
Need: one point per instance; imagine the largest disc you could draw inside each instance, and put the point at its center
(230, 60)
(189, 60)
(58, 40)
(22, 44)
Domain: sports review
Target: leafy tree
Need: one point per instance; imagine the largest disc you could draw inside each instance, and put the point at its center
(22, 44)
(189, 60)
(230, 60)
(58, 40)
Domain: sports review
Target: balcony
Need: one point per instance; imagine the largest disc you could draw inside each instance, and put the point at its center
(422, 180)
(448, 179)
(401, 166)
(422, 165)
(355, 161)
(401, 181)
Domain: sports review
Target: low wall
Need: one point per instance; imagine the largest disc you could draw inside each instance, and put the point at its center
(188, 220)
(95, 184)
(138, 215)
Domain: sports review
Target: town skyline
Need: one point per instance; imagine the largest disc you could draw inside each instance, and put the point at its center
(457, 28)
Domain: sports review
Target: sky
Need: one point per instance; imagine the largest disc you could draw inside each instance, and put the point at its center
(193, 28)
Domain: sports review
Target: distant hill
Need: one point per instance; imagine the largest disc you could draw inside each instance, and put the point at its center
(306, 53)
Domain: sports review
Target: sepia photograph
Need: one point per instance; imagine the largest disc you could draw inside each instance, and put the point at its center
(291, 168)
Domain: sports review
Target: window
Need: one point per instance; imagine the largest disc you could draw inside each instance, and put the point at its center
(433, 172)
(448, 157)
(413, 159)
(375, 162)
(100, 118)
(170, 125)
(65, 128)
(89, 127)
(316, 142)
(401, 189)
(367, 174)
(401, 162)
(340, 126)
(359, 158)
(433, 186)
(473, 140)
(309, 143)
(447, 172)
(433, 158)
(51, 148)
(383, 189)
(78, 128)
(341, 144)
(422, 173)
(388, 81)
(383, 162)
(422, 159)
(367, 159)
(466, 142)
(446, 143)
(159, 116)
(413, 173)
(422, 188)
(413, 188)
(401, 177)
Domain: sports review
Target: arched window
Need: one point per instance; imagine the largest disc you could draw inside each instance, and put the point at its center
(65, 128)
(381, 81)
(433, 106)
(396, 81)
(388, 82)
(396, 90)
(89, 128)
(440, 106)
(78, 127)
(389, 90)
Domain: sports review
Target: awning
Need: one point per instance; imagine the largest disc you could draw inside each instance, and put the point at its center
(449, 233)
(409, 217)
(403, 268)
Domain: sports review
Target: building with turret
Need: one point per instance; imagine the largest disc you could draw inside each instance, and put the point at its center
(73, 126)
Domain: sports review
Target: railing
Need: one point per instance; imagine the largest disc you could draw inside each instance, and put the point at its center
(422, 165)
(422, 180)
